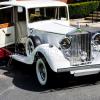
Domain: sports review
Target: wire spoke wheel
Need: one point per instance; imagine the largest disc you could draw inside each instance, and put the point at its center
(29, 46)
(31, 43)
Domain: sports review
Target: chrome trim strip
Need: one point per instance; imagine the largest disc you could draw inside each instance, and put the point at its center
(78, 68)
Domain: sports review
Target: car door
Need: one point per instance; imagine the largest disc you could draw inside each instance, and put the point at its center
(7, 31)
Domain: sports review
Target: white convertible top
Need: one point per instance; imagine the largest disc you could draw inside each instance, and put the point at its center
(33, 4)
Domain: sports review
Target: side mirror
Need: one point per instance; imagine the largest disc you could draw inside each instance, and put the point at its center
(20, 9)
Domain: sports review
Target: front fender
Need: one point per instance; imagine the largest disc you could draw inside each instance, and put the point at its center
(54, 56)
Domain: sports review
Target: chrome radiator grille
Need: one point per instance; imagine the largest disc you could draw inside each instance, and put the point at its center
(80, 43)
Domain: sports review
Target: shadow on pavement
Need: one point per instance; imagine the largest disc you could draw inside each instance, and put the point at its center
(23, 78)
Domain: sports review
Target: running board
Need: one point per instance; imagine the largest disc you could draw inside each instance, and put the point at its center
(22, 58)
(85, 72)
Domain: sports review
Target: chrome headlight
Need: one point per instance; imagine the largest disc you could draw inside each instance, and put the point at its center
(96, 39)
(65, 43)
(96, 42)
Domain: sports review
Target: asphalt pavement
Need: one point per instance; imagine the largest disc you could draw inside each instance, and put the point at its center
(18, 84)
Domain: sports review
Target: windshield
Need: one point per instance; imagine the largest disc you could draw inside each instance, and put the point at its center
(39, 14)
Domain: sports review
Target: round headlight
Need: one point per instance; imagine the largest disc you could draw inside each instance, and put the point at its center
(65, 43)
(96, 39)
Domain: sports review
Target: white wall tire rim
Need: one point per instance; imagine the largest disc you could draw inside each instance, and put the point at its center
(41, 72)
(29, 47)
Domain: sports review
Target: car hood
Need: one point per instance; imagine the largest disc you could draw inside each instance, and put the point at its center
(54, 26)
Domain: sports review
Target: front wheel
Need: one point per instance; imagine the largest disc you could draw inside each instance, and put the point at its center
(45, 76)
(42, 71)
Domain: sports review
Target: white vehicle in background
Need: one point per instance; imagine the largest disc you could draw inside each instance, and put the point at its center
(44, 36)
(7, 34)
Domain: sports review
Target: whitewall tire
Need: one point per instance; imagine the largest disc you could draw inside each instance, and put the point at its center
(29, 46)
(41, 72)
(31, 43)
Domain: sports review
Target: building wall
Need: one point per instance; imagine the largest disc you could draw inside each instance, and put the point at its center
(66, 1)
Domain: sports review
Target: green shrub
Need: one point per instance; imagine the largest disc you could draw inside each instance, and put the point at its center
(82, 9)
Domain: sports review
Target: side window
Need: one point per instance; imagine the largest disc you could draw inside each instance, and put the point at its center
(6, 17)
(63, 12)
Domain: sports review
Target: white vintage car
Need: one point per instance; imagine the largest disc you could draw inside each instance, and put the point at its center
(44, 36)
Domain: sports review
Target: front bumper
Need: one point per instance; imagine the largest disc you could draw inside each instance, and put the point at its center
(81, 70)
(72, 68)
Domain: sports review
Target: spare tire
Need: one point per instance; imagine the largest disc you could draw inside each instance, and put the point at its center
(31, 43)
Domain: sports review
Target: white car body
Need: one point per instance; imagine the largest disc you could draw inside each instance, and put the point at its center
(76, 59)
(7, 36)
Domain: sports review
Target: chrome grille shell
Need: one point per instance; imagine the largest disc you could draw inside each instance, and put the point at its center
(80, 42)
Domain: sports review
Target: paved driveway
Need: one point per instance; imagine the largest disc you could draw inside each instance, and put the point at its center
(18, 84)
